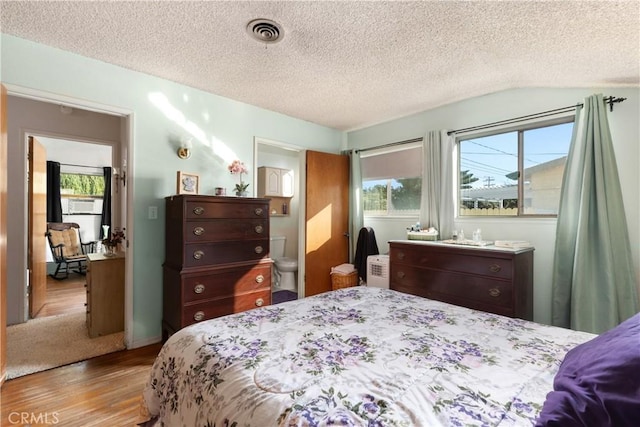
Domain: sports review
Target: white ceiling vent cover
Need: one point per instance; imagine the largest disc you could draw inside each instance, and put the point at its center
(265, 30)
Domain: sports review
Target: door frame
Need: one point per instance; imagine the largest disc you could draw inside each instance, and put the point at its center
(127, 157)
(117, 215)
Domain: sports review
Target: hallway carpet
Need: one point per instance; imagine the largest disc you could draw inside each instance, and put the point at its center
(53, 341)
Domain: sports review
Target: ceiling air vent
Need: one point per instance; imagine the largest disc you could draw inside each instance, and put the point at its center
(265, 30)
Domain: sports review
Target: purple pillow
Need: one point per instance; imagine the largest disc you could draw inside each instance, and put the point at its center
(598, 383)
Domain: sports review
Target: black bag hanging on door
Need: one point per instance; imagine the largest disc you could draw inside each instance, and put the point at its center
(366, 246)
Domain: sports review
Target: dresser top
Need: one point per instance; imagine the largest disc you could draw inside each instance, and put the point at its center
(218, 199)
(464, 247)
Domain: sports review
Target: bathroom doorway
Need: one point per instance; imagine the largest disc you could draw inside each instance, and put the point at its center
(285, 221)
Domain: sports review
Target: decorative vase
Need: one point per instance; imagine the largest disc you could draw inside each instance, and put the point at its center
(110, 250)
(242, 193)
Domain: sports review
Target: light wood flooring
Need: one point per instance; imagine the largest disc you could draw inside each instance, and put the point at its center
(64, 296)
(103, 391)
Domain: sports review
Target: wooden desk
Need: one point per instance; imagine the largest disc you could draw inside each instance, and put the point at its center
(105, 294)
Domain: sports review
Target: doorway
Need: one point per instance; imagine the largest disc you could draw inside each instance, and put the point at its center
(273, 154)
(81, 168)
(26, 113)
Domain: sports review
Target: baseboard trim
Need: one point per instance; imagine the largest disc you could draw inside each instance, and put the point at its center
(144, 342)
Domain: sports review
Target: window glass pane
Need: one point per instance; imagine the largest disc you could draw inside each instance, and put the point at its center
(81, 194)
(80, 184)
(374, 197)
(489, 175)
(405, 195)
(392, 181)
(545, 155)
(392, 196)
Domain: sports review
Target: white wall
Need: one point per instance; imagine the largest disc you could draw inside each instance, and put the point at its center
(161, 113)
(504, 105)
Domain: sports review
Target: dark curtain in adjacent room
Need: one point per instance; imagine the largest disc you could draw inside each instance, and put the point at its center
(54, 203)
(106, 203)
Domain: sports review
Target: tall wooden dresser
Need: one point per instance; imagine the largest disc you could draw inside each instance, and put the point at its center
(496, 280)
(216, 258)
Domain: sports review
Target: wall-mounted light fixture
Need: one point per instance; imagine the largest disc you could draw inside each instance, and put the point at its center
(184, 151)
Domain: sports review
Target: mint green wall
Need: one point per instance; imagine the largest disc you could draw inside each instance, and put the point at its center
(505, 105)
(223, 130)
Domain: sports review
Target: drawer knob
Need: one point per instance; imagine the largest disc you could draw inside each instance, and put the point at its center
(198, 254)
(400, 255)
(258, 211)
(198, 231)
(198, 210)
(494, 268)
(199, 288)
(259, 302)
(400, 274)
(494, 292)
(198, 316)
(259, 278)
(259, 229)
(258, 249)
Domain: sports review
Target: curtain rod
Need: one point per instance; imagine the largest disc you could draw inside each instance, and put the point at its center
(81, 166)
(407, 141)
(608, 100)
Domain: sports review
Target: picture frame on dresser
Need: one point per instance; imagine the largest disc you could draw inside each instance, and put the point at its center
(187, 183)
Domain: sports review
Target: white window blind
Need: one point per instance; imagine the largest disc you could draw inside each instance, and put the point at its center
(399, 162)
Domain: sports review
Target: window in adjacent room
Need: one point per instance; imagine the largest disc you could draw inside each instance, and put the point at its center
(82, 193)
(392, 181)
(514, 173)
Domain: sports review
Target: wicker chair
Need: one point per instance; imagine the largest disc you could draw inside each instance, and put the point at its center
(67, 248)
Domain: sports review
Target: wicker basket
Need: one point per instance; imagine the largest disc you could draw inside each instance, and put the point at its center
(339, 281)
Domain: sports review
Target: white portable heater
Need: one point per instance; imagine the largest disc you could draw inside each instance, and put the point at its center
(378, 271)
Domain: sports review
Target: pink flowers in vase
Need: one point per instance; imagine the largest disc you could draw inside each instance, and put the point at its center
(237, 167)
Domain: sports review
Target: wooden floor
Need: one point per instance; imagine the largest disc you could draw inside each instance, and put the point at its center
(64, 296)
(103, 391)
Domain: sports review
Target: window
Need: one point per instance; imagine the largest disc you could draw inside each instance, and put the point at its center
(392, 181)
(81, 194)
(516, 172)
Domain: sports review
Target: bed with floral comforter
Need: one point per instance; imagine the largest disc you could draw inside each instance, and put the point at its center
(357, 357)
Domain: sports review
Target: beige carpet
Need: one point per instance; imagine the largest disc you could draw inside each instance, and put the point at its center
(54, 341)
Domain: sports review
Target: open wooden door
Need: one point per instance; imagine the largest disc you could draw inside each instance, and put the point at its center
(37, 262)
(3, 234)
(327, 218)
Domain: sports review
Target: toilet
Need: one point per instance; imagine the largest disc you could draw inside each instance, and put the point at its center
(284, 271)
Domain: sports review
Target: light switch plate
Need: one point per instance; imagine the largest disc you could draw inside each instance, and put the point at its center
(153, 212)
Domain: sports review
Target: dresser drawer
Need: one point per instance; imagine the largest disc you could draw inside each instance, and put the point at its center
(197, 209)
(208, 254)
(225, 229)
(225, 283)
(193, 313)
(445, 285)
(500, 268)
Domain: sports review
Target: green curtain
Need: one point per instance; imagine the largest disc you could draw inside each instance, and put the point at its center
(356, 214)
(594, 283)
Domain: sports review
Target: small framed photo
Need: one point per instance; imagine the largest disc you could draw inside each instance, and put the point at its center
(188, 183)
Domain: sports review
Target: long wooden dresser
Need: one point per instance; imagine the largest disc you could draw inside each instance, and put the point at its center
(496, 280)
(216, 258)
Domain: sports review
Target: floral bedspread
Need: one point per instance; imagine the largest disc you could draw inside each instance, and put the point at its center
(357, 357)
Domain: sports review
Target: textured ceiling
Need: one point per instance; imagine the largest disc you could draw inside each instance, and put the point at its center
(349, 64)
